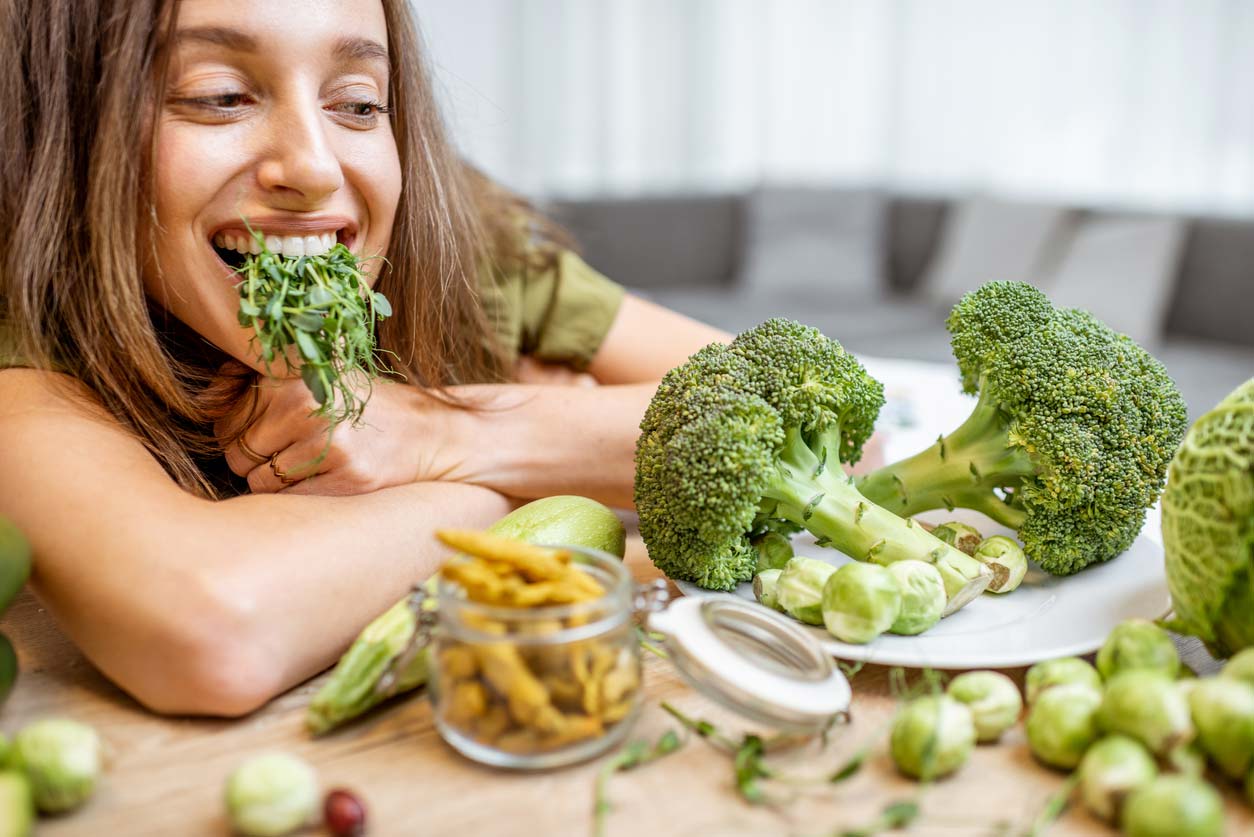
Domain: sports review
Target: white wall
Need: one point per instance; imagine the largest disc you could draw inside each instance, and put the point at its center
(1146, 102)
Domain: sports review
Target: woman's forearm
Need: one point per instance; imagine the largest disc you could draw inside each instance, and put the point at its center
(214, 608)
(334, 562)
(536, 441)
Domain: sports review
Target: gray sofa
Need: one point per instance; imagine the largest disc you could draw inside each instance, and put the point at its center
(879, 271)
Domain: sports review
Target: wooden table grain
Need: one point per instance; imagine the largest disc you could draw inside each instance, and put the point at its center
(165, 775)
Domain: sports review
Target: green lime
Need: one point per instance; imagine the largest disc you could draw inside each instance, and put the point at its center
(14, 562)
(8, 667)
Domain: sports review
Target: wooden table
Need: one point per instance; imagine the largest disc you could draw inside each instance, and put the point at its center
(166, 775)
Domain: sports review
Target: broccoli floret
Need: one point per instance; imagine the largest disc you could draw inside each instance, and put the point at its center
(1069, 441)
(750, 438)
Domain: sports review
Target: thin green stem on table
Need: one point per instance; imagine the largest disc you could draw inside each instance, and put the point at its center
(1054, 806)
(633, 755)
(645, 639)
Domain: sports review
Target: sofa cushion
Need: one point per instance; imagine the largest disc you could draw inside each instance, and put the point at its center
(657, 242)
(1121, 269)
(1214, 292)
(872, 325)
(988, 239)
(1205, 371)
(915, 225)
(813, 244)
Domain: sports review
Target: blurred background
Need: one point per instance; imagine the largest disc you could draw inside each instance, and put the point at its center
(859, 164)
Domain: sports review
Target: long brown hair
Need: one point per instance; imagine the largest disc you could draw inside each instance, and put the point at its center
(75, 165)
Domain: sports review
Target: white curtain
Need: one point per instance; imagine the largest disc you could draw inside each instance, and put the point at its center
(1136, 102)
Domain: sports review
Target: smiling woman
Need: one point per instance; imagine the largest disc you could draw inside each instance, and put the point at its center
(144, 449)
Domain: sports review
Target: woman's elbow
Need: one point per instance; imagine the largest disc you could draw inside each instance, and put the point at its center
(228, 681)
(219, 664)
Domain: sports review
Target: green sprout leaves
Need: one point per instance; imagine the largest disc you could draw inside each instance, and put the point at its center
(318, 314)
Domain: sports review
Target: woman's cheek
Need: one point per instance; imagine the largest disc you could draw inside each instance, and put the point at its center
(193, 162)
(375, 170)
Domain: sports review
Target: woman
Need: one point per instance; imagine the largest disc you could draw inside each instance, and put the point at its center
(139, 133)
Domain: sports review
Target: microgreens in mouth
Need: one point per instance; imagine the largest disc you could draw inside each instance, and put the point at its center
(320, 305)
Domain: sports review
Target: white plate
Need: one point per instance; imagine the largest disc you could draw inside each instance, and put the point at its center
(1046, 617)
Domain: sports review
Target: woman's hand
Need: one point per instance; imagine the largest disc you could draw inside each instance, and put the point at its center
(274, 439)
(528, 370)
(405, 435)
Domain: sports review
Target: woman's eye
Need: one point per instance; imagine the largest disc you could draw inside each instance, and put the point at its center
(219, 102)
(361, 111)
(226, 101)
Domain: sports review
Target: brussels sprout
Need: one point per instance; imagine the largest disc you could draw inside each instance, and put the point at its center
(860, 602)
(960, 536)
(932, 737)
(1137, 643)
(774, 551)
(6, 748)
(1223, 712)
(1060, 672)
(1174, 806)
(1007, 561)
(271, 795)
(1187, 758)
(1240, 667)
(764, 588)
(799, 591)
(62, 759)
(1110, 770)
(1062, 723)
(922, 596)
(17, 804)
(993, 699)
(1146, 705)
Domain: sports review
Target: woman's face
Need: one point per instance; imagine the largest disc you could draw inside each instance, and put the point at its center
(272, 112)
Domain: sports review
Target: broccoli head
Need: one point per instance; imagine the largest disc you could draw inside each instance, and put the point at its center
(1069, 441)
(750, 438)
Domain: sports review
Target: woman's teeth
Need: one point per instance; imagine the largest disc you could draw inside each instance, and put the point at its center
(290, 246)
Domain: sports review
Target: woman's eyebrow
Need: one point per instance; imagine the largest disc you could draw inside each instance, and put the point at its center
(222, 36)
(360, 49)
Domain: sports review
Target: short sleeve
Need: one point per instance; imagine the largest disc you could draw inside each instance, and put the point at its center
(8, 347)
(11, 356)
(559, 314)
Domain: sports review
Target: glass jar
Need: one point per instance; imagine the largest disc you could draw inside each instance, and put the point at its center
(538, 687)
(543, 687)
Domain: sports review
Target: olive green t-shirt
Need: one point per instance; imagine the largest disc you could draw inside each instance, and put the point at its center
(560, 314)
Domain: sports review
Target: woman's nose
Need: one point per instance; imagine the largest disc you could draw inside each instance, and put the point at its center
(301, 162)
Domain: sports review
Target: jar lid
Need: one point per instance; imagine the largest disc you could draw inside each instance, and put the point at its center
(754, 661)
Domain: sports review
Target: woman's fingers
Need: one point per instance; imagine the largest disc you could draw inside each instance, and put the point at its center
(242, 457)
(290, 466)
(285, 418)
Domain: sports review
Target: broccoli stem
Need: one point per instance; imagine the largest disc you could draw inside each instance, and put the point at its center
(825, 501)
(959, 471)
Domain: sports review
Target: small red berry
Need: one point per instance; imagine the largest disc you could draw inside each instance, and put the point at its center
(344, 814)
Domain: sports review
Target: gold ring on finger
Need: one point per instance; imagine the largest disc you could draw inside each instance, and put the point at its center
(283, 477)
(250, 453)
